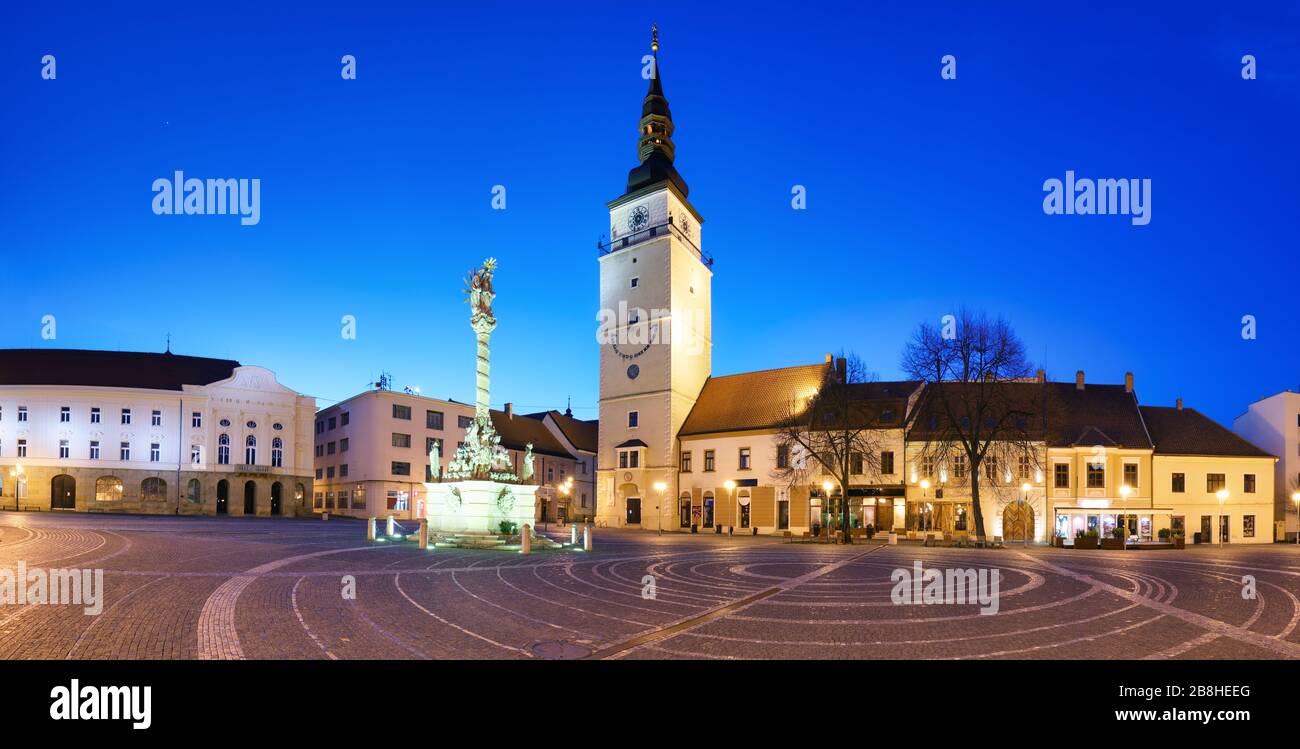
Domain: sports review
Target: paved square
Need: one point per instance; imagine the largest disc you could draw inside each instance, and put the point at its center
(274, 588)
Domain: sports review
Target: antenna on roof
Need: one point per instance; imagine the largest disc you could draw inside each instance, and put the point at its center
(169, 344)
(385, 382)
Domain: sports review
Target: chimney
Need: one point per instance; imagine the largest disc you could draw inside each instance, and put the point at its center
(510, 410)
(1040, 376)
(1179, 404)
(841, 370)
(829, 358)
(1078, 380)
(1128, 382)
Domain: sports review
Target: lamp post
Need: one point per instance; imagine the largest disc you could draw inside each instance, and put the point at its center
(826, 504)
(1222, 494)
(925, 494)
(19, 479)
(1124, 491)
(1024, 507)
(1295, 497)
(730, 486)
(659, 508)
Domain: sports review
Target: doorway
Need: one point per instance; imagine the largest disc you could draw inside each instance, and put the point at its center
(63, 492)
(685, 509)
(223, 497)
(633, 510)
(250, 498)
(276, 490)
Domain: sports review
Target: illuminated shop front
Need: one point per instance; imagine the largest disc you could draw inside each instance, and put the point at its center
(948, 516)
(1144, 524)
(879, 507)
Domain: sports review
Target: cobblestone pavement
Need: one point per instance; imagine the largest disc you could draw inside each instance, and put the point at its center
(273, 588)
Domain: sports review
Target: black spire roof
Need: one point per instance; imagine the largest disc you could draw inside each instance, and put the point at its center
(655, 146)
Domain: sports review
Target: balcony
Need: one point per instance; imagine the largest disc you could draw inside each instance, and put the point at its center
(632, 239)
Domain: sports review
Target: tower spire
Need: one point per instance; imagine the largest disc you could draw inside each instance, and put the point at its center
(655, 146)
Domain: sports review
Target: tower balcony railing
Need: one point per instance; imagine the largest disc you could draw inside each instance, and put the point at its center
(631, 239)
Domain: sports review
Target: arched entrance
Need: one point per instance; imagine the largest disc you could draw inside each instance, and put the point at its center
(275, 498)
(223, 497)
(63, 492)
(1018, 522)
(250, 498)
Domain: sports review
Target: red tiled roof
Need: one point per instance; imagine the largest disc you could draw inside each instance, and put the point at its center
(750, 400)
(1189, 432)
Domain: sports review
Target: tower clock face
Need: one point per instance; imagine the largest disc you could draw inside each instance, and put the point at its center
(639, 218)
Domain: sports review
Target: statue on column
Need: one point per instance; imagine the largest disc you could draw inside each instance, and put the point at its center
(481, 457)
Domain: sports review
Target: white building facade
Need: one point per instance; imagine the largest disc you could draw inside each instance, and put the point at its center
(1273, 425)
(109, 431)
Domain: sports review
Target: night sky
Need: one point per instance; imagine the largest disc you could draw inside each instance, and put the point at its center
(923, 193)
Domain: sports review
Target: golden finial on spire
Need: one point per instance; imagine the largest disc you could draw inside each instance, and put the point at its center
(654, 38)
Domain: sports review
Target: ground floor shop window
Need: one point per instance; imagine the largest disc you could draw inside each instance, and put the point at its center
(1248, 526)
(685, 510)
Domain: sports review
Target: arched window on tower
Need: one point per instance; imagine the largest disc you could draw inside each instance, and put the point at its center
(223, 449)
(250, 451)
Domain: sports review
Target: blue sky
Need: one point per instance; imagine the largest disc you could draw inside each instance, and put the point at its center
(923, 194)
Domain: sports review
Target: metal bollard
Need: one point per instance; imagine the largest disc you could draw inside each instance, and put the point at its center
(424, 533)
(324, 516)
(586, 537)
(391, 526)
(573, 534)
(526, 539)
(370, 530)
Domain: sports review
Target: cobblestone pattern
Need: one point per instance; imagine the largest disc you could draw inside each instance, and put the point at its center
(184, 588)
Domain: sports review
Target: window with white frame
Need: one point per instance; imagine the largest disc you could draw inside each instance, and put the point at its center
(277, 453)
(126, 416)
(155, 452)
(223, 450)
(94, 416)
(22, 448)
(94, 449)
(22, 413)
(250, 450)
(196, 419)
(64, 450)
(65, 414)
(196, 454)
(155, 418)
(124, 451)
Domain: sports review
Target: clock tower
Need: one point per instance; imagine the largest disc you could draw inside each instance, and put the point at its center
(655, 327)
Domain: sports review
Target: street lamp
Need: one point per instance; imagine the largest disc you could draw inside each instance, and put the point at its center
(1024, 507)
(19, 479)
(826, 505)
(1295, 497)
(1124, 491)
(660, 487)
(731, 494)
(1222, 494)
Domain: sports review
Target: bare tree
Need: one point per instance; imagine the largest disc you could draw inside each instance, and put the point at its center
(982, 410)
(835, 432)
